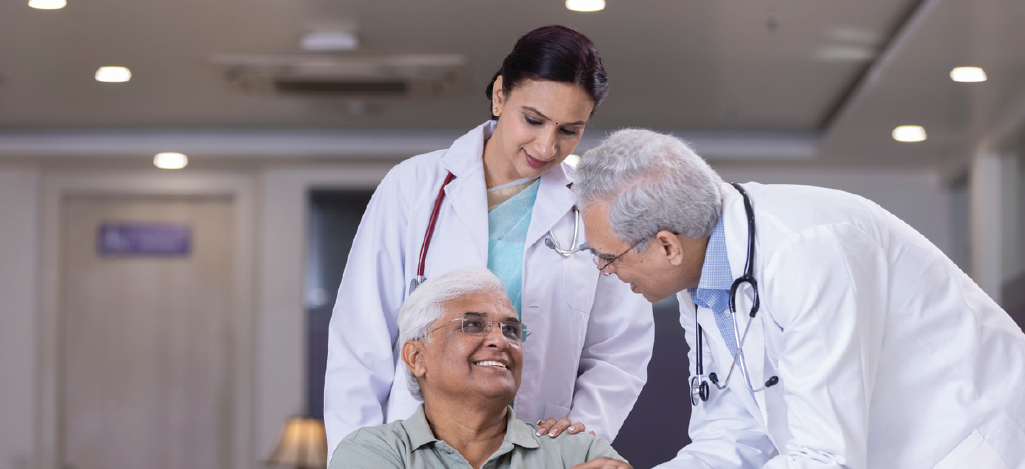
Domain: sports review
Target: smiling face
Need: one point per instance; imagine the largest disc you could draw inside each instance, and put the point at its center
(670, 264)
(457, 365)
(540, 123)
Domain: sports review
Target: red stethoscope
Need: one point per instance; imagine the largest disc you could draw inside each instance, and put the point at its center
(550, 241)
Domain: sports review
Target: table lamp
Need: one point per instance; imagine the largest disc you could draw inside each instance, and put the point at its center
(302, 444)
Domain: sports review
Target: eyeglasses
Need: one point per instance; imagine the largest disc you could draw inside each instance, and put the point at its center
(602, 261)
(512, 331)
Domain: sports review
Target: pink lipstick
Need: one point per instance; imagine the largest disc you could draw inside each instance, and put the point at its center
(534, 162)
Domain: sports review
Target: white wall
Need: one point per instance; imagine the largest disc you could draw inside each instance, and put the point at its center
(19, 226)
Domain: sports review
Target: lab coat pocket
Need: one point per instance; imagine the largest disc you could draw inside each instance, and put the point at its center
(973, 453)
(557, 411)
(579, 282)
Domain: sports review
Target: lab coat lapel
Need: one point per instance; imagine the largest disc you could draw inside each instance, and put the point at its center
(467, 193)
(735, 230)
(554, 200)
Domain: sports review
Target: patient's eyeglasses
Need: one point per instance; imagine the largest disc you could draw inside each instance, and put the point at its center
(513, 331)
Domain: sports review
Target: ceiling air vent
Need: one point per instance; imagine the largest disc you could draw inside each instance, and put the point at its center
(387, 77)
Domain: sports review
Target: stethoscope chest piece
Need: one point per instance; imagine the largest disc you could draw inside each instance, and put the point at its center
(416, 283)
(698, 390)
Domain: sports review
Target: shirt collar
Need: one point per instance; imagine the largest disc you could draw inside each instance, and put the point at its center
(418, 429)
(517, 432)
(715, 272)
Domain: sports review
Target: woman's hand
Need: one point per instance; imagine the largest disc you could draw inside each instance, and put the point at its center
(555, 427)
(603, 463)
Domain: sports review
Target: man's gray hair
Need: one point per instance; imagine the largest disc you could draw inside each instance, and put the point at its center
(427, 304)
(651, 182)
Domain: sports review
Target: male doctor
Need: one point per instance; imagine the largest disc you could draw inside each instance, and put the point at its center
(869, 349)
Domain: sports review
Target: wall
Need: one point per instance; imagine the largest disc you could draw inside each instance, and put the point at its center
(19, 226)
(1012, 186)
(916, 196)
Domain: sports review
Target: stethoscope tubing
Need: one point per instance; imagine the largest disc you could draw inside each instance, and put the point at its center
(699, 387)
(553, 243)
(433, 220)
(550, 241)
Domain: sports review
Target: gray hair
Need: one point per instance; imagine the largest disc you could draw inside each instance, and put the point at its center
(651, 182)
(427, 305)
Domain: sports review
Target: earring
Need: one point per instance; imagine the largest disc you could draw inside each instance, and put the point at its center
(494, 108)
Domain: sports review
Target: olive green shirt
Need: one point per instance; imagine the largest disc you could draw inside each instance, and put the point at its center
(410, 444)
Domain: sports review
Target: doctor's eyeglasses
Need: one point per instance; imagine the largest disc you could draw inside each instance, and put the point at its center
(603, 261)
(479, 326)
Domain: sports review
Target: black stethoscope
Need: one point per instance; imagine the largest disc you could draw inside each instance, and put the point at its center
(698, 385)
(550, 241)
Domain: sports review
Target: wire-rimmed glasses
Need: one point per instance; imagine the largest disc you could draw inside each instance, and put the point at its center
(477, 326)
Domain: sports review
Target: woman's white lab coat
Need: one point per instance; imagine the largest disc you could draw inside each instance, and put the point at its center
(888, 355)
(587, 356)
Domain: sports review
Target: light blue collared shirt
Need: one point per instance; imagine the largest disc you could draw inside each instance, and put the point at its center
(713, 291)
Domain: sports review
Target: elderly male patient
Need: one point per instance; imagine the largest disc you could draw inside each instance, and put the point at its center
(462, 347)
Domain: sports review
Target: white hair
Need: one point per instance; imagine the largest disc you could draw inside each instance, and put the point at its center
(651, 182)
(427, 305)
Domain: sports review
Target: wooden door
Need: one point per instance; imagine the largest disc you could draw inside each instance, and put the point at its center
(147, 339)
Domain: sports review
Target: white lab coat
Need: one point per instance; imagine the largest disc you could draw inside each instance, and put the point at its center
(888, 355)
(587, 356)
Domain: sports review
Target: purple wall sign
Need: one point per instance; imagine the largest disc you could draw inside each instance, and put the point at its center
(134, 239)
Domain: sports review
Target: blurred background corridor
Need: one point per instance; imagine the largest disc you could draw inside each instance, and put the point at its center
(180, 182)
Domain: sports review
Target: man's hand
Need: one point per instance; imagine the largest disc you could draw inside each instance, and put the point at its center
(555, 427)
(603, 463)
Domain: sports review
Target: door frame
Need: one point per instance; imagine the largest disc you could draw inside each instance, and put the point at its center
(56, 187)
(284, 227)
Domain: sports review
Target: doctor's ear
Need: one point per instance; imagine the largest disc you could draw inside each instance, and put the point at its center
(669, 246)
(412, 356)
(498, 93)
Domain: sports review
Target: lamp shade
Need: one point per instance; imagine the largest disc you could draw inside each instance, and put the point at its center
(302, 443)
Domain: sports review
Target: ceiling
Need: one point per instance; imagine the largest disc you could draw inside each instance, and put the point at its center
(822, 81)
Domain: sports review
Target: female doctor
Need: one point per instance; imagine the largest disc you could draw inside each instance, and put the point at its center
(500, 198)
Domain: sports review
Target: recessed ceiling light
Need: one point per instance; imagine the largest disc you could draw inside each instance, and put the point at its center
(170, 160)
(113, 74)
(585, 5)
(968, 74)
(47, 4)
(572, 160)
(909, 133)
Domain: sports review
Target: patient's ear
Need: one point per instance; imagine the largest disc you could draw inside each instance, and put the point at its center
(412, 356)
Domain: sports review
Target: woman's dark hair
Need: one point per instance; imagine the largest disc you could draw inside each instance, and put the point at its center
(554, 53)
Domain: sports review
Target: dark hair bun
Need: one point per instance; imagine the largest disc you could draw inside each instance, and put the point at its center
(554, 53)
